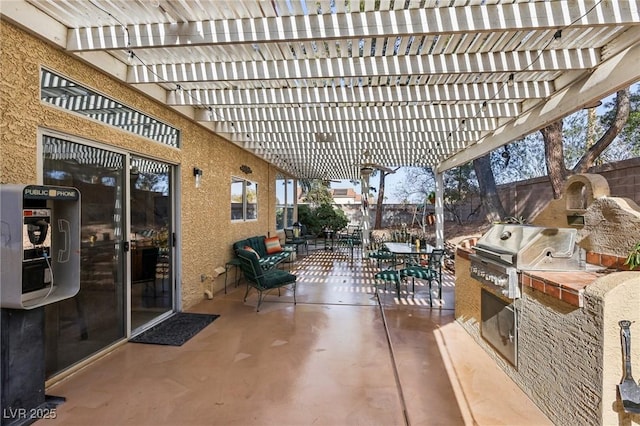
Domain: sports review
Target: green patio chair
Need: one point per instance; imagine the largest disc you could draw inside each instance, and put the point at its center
(291, 239)
(431, 272)
(264, 281)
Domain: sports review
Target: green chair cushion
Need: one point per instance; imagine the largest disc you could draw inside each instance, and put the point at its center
(388, 275)
(277, 278)
(381, 254)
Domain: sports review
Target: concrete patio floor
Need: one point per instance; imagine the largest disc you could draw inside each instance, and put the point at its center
(343, 355)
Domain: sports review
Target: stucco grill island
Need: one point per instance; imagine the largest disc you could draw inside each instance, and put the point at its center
(500, 255)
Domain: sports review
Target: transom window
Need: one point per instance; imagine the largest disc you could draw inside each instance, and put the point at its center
(64, 93)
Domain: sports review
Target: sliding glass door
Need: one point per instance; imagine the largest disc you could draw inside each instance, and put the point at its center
(151, 255)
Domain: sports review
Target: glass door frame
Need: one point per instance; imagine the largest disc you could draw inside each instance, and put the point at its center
(126, 217)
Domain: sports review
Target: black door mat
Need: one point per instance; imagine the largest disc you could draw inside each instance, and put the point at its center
(175, 330)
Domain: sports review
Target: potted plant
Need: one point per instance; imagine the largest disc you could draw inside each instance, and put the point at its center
(633, 259)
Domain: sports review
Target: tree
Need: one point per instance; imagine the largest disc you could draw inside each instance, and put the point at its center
(627, 144)
(568, 141)
(318, 194)
(520, 160)
(488, 188)
(377, 224)
(419, 182)
(305, 186)
(459, 184)
(554, 147)
(331, 218)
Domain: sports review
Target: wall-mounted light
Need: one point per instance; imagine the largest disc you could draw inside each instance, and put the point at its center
(197, 173)
(246, 169)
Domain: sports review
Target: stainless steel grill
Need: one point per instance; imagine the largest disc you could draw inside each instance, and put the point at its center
(507, 249)
(501, 254)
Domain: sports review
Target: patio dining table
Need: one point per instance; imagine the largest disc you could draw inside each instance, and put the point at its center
(404, 249)
(407, 251)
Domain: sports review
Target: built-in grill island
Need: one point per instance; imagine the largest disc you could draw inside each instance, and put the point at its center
(500, 255)
(545, 301)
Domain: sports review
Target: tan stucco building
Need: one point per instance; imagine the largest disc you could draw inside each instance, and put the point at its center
(41, 143)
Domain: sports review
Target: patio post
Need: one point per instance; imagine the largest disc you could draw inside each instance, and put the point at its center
(365, 222)
(439, 210)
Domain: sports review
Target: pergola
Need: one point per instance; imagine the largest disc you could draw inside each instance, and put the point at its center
(318, 87)
(321, 88)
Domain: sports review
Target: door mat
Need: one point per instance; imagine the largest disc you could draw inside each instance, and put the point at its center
(175, 330)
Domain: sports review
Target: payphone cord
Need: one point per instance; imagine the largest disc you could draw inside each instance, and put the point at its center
(46, 258)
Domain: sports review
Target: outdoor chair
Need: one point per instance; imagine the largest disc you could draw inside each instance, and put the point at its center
(431, 272)
(264, 281)
(291, 239)
(382, 254)
(389, 275)
(304, 233)
(351, 240)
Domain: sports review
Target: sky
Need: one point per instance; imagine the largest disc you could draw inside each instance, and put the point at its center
(390, 184)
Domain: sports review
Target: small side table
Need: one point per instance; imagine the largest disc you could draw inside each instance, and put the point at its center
(232, 262)
(292, 250)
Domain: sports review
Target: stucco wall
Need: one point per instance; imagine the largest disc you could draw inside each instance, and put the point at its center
(207, 232)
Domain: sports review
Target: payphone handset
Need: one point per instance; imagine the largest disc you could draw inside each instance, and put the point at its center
(37, 274)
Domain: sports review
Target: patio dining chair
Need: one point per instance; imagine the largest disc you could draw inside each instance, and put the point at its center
(379, 252)
(291, 239)
(389, 275)
(304, 233)
(431, 272)
(351, 240)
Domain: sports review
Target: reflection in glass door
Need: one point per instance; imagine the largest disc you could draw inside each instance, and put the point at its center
(95, 318)
(151, 255)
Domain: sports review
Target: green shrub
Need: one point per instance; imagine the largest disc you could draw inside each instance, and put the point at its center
(633, 259)
(325, 216)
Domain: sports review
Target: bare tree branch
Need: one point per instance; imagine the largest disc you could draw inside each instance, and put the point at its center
(622, 115)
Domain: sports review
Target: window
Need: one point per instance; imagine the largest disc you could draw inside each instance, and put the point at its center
(64, 93)
(244, 199)
(285, 202)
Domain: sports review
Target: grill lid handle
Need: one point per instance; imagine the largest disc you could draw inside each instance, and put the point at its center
(505, 235)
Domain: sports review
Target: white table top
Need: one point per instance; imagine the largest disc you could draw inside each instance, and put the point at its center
(404, 248)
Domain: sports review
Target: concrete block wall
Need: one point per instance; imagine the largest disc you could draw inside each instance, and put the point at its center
(623, 178)
(529, 197)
